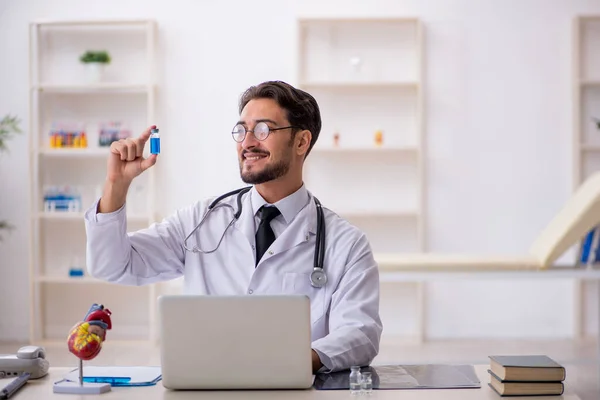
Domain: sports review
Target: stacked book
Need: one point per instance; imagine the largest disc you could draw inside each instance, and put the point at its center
(526, 375)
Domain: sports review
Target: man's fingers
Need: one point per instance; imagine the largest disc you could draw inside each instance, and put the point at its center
(143, 138)
(119, 148)
(131, 150)
(148, 162)
(139, 148)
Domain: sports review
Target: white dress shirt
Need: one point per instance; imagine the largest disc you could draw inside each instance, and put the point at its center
(345, 323)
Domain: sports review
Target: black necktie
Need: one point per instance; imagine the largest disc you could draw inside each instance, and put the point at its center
(264, 234)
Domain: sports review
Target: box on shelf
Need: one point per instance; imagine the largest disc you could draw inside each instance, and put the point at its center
(62, 199)
(112, 131)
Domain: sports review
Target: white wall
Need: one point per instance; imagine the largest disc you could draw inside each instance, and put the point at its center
(498, 126)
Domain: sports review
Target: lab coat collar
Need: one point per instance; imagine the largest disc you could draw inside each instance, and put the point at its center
(289, 206)
(246, 221)
(302, 224)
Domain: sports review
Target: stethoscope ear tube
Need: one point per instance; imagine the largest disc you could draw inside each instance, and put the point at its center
(239, 192)
(236, 215)
(239, 201)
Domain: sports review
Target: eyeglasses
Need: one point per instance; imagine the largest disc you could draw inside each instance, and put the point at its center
(261, 131)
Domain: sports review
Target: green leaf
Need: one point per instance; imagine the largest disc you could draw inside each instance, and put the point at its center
(9, 126)
(5, 225)
(95, 56)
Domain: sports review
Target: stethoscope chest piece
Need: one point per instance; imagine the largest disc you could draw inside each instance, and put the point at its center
(318, 278)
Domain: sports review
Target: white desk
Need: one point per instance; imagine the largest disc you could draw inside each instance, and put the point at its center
(42, 389)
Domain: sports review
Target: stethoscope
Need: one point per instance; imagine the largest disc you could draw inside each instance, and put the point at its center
(318, 277)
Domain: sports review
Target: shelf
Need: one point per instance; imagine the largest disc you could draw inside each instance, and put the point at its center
(355, 85)
(414, 276)
(74, 152)
(79, 216)
(590, 83)
(113, 342)
(379, 214)
(75, 280)
(369, 150)
(346, 20)
(590, 147)
(94, 88)
(92, 22)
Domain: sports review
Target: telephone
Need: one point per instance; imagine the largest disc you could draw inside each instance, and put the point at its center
(31, 359)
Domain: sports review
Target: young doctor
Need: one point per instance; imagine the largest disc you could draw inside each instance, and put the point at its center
(269, 249)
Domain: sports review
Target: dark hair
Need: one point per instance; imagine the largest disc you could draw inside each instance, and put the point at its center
(301, 108)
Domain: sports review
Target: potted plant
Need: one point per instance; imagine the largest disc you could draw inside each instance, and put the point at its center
(8, 127)
(95, 61)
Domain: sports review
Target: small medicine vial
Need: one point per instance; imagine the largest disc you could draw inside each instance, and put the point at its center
(154, 142)
(355, 380)
(366, 383)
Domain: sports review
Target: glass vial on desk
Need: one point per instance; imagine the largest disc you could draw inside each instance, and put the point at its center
(154, 142)
(355, 380)
(366, 383)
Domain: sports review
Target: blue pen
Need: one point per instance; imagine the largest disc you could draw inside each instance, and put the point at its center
(107, 379)
(15, 385)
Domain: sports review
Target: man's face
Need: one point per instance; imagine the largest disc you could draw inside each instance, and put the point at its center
(265, 160)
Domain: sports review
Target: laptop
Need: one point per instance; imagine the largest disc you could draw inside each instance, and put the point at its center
(235, 342)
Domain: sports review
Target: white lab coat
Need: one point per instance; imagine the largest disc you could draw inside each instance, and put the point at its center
(346, 327)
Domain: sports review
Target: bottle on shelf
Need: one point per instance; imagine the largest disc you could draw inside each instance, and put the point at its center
(336, 139)
(76, 268)
(378, 138)
(67, 135)
(112, 131)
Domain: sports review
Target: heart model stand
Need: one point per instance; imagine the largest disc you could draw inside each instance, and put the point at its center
(85, 342)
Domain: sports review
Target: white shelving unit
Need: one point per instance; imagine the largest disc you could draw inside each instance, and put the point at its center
(586, 106)
(61, 92)
(366, 75)
(586, 96)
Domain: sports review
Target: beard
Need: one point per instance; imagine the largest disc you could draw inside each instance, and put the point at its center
(268, 173)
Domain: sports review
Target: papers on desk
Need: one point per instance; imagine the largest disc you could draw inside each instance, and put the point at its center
(428, 376)
(118, 376)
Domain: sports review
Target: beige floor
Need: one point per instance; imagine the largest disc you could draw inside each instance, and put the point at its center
(580, 357)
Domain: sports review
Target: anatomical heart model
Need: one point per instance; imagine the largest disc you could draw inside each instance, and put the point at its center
(86, 337)
(85, 342)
